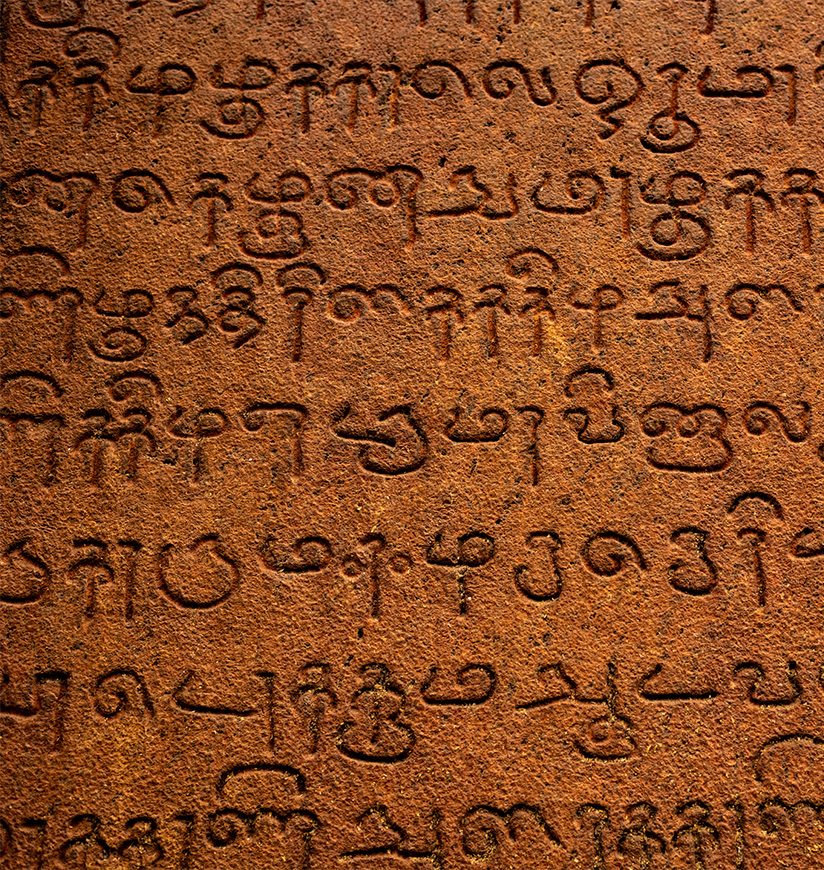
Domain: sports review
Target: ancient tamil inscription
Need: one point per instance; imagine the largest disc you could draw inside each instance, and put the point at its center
(412, 434)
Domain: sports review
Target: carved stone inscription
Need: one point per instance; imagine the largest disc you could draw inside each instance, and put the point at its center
(411, 434)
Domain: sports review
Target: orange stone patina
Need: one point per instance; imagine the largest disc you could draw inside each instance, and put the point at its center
(411, 434)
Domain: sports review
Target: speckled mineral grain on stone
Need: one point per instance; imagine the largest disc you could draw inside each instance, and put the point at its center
(411, 434)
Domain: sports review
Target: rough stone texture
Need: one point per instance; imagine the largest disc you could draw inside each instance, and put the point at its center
(411, 441)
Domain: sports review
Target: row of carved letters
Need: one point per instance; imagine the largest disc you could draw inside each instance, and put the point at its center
(546, 563)
(367, 92)
(518, 315)
(640, 836)
(71, 13)
(135, 423)
(375, 727)
(42, 209)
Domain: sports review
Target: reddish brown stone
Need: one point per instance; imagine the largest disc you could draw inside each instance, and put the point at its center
(411, 434)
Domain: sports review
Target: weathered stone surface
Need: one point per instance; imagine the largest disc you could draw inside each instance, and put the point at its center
(411, 434)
